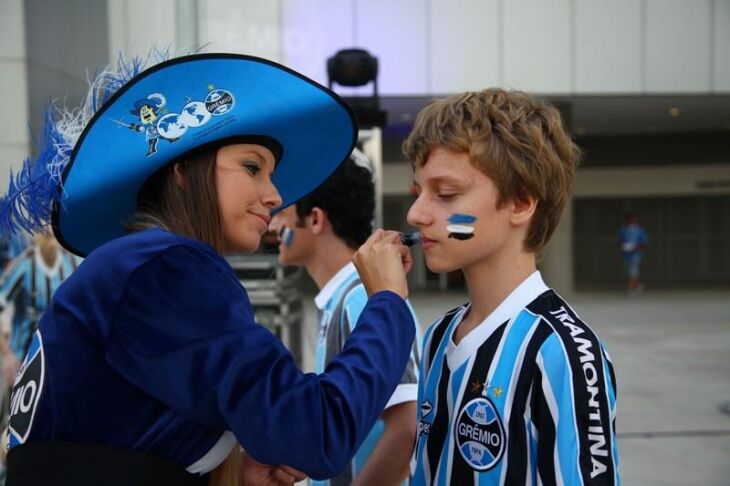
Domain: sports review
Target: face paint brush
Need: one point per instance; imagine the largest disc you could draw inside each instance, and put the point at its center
(410, 238)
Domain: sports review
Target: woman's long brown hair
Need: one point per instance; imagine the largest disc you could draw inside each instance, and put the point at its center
(189, 208)
(228, 473)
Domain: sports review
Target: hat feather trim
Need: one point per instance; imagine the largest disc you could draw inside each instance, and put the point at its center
(32, 192)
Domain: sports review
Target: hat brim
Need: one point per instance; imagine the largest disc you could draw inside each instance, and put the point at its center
(200, 100)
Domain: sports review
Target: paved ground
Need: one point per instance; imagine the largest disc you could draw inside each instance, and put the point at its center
(671, 352)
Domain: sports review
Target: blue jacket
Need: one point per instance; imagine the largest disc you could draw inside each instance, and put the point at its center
(151, 345)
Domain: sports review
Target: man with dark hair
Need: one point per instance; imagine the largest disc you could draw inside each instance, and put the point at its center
(321, 233)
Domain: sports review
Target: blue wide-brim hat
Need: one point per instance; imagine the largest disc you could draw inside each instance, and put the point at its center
(186, 104)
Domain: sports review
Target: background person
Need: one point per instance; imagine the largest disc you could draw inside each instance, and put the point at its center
(632, 239)
(26, 288)
(322, 232)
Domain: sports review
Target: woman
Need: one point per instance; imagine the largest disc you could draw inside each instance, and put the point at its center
(148, 367)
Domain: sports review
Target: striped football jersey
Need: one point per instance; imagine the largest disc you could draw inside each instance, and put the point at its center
(527, 397)
(28, 284)
(339, 305)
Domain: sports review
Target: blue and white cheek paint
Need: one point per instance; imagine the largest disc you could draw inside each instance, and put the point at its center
(286, 235)
(461, 226)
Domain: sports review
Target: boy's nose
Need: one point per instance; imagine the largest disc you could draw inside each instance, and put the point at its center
(418, 215)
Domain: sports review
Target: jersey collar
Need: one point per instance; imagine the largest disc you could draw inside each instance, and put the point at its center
(333, 284)
(517, 300)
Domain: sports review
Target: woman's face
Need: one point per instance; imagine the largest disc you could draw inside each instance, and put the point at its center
(246, 194)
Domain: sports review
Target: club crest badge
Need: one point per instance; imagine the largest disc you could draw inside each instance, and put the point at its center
(26, 393)
(479, 434)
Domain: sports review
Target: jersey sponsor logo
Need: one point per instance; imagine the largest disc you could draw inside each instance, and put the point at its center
(426, 408)
(596, 431)
(424, 425)
(480, 435)
(26, 392)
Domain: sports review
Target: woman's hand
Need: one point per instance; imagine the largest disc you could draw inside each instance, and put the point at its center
(382, 262)
(253, 473)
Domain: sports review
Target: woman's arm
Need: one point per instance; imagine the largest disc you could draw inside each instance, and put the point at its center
(184, 332)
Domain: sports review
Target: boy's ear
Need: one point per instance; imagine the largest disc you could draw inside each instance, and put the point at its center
(523, 208)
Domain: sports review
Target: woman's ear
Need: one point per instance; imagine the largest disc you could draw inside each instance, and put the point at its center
(523, 208)
(179, 176)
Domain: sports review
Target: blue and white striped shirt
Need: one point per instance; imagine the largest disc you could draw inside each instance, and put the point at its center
(340, 303)
(27, 285)
(527, 397)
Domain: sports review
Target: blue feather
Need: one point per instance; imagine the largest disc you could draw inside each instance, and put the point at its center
(32, 192)
(28, 203)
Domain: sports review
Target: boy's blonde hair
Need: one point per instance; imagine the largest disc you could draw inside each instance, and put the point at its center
(515, 139)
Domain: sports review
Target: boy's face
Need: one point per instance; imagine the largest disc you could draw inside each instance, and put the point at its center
(293, 240)
(451, 190)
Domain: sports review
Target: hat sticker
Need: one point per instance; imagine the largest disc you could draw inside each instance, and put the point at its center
(153, 119)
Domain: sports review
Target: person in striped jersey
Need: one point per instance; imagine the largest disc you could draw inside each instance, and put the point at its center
(10, 247)
(321, 232)
(26, 287)
(515, 388)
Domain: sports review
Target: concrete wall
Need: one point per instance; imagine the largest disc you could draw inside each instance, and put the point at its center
(241, 26)
(136, 26)
(66, 41)
(439, 46)
(14, 139)
(695, 180)
(557, 47)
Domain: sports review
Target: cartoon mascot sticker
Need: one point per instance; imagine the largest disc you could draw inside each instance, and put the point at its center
(155, 122)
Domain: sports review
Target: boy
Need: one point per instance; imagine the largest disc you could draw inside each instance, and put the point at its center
(322, 232)
(514, 388)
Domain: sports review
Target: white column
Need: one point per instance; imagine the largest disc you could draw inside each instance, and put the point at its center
(137, 26)
(14, 137)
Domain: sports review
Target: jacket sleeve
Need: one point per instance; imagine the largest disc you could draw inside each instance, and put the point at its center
(184, 332)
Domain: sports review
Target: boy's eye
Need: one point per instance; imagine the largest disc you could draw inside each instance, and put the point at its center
(445, 196)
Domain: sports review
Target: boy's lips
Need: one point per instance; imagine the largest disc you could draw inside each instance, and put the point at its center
(427, 242)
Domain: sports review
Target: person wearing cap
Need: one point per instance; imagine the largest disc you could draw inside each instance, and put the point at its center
(148, 367)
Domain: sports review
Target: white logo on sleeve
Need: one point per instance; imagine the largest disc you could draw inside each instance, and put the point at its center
(26, 393)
